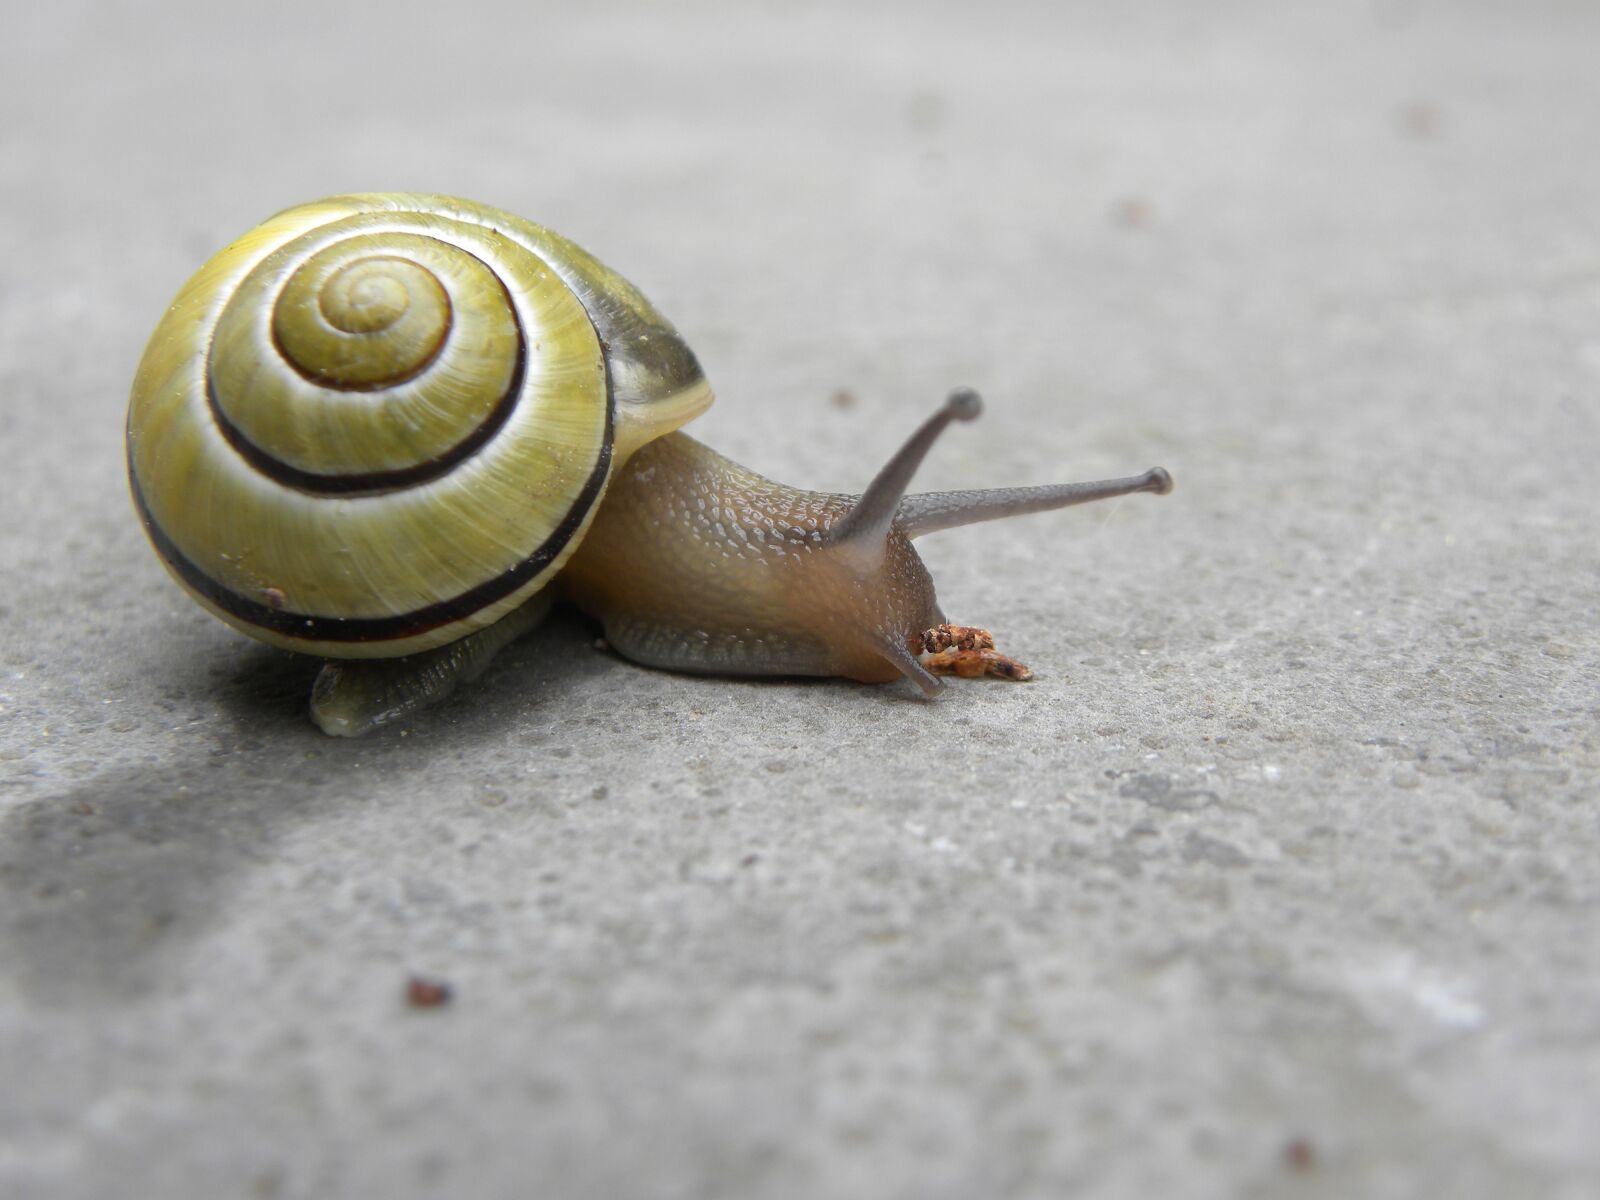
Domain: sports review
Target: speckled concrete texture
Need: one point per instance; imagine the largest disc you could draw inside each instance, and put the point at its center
(1280, 880)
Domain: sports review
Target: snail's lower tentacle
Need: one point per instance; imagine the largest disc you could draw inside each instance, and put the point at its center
(355, 696)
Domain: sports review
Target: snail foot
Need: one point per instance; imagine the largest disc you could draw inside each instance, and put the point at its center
(353, 697)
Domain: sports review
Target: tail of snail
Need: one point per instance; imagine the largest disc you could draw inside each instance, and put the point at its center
(391, 429)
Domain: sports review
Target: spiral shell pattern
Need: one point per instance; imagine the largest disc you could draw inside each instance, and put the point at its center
(373, 424)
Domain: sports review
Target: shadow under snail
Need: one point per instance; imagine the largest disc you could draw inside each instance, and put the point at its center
(390, 429)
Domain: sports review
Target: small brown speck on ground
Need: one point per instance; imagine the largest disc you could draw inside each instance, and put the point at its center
(1419, 120)
(1299, 1154)
(1131, 212)
(842, 398)
(427, 993)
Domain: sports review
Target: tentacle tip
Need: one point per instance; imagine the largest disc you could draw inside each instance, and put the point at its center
(1160, 482)
(964, 404)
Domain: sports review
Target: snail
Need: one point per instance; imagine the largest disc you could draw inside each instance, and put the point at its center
(390, 429)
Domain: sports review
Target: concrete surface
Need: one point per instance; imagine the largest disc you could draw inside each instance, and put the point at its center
(1280, 880)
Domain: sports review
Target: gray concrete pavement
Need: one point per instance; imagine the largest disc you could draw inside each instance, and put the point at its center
(1280, 879)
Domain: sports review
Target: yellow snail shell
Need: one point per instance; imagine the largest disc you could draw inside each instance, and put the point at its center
(378, 423)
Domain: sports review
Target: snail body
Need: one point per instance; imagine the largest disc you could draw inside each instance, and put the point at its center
(389, 429)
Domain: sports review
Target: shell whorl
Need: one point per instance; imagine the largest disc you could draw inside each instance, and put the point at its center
(376, 423)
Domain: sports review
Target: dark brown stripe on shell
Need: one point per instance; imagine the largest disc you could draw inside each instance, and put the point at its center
(405, 376)
(318, 484)
(312, 628)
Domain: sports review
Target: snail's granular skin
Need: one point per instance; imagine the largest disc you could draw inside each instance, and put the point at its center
(697, 564)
